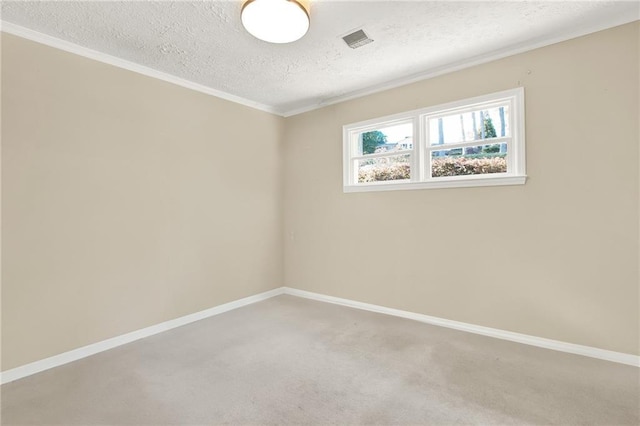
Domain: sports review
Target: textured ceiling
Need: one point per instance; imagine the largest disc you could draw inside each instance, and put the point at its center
(204, 41)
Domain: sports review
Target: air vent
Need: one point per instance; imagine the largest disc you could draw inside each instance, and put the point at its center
(356, 39)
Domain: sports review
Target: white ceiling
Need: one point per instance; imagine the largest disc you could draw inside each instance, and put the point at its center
(204, 42)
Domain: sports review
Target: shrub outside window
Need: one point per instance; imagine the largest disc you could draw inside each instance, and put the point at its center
(472, 142)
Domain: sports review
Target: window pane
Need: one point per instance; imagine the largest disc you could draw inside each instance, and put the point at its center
(398, 137)
(474, 160)
(481, 124)
(382, 169)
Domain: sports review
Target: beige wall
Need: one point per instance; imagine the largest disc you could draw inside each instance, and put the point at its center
(127, 201)
(557, 257)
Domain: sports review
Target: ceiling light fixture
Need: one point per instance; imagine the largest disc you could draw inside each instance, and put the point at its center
(276, 21)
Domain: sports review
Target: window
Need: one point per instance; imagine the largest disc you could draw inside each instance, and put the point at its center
(473, 142)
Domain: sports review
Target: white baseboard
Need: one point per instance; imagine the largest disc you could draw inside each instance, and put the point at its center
(541, 342)
(85, 351)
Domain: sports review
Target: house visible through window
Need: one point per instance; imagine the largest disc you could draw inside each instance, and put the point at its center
(474, 142)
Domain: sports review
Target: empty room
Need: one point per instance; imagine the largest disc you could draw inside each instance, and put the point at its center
(252, 212)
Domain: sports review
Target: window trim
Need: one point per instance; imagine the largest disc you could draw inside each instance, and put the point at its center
(419, 155)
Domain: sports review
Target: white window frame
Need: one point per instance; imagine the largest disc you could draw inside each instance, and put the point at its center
(420, 155)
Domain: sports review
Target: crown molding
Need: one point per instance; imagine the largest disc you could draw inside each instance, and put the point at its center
(558, 37)
(67, 46)
(537, 43)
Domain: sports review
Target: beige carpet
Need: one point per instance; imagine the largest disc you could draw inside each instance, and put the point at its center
(294, 361)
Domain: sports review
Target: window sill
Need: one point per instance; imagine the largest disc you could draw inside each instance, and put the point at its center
(450, 182)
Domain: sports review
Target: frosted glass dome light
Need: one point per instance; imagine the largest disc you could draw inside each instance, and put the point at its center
(276, 21)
